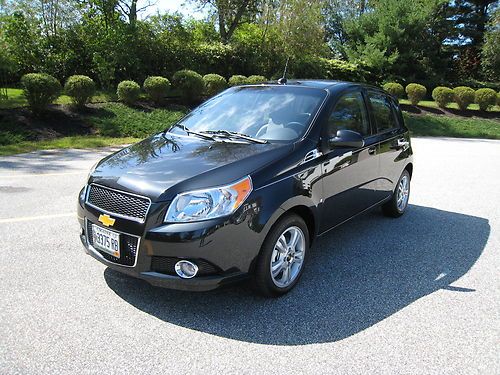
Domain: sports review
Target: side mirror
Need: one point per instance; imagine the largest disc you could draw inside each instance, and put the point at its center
(347, 138)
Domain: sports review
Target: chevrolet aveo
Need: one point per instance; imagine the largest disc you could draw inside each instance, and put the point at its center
(242, 185)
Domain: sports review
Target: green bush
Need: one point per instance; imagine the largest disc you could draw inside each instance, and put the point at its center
(254, 80)
(214, 84)
(189, 83)
(485, 98)
(498, 99)
(238, 80)
(128, 91)
(156, 88)
(415, 92)
(40, 90)
(80, 89)
(395, 89)
(442, 96)
(463, 96)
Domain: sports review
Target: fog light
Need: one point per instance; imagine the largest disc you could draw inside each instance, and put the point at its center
(186, 269)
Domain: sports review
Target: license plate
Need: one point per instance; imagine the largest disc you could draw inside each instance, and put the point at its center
(106, 240)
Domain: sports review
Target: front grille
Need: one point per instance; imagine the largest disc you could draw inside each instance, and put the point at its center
(118, 203)
(128, 248)
(166, 265)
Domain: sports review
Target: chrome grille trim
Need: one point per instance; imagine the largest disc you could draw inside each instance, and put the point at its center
(139, 218)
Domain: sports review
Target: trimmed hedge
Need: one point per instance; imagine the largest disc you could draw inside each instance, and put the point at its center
(189, 83)
(442, 96)
(415, 92)
(156, 88)
(128, 91)
(463, 96)
(485, 98)
(238, 80)
(255, 79)
(214, 84)
(40, 90)
(395, 89)
(80, 88)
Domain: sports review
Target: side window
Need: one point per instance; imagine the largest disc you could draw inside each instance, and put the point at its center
(349, 114)
(383, 112)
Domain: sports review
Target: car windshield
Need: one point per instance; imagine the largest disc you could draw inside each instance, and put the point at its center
(271, 113)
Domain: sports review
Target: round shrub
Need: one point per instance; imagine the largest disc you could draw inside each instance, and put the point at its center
(395, 89)
(498, 99)
(415, 92)
(463, 96)
(442, 96)
(80, 89)
(485, 98)
(128, 91)
(238, 80)
(189, 83)
(156, 88)
(40, 90)
(254, 80)
(214, 84)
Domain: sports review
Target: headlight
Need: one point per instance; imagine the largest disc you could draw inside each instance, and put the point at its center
(210, 203)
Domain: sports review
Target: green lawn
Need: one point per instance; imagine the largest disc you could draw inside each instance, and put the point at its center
(16, 98)
(433, 104)
(447, 126)
(65, 142)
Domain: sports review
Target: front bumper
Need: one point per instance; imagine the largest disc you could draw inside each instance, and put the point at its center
(230, 246)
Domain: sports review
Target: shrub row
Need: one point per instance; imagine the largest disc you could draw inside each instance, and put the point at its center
(464, 96)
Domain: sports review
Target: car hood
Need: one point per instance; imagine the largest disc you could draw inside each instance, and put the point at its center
(163, 165)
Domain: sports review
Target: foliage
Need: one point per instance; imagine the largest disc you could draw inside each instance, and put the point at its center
(490, 54)
(156, 88)
(395, 89)
(80, 88)
(40, 90)
(442, 96)
(238, 80)
(189, 83)
(415, 92)
(485, 98)
(256, 79)
(214, 84)
(128, 91)
(463, 96)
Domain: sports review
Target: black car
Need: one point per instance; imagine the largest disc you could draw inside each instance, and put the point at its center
(241, 186)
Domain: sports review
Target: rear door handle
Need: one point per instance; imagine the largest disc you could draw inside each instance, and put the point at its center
(372, 150)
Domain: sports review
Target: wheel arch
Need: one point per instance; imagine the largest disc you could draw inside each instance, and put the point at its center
(409, 168)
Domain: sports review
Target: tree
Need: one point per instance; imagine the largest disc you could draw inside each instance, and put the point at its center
(490, 53)
(230, 14)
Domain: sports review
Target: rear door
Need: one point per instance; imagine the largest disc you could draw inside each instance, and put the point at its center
(349, 174)
(391, 137)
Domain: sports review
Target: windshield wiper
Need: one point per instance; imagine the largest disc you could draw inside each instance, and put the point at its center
(231, 134)
(189, 131)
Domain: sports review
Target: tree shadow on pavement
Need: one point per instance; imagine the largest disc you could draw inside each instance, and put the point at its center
(356, 276)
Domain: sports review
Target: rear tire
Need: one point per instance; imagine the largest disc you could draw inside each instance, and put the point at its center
(281, 260)
(399, 200)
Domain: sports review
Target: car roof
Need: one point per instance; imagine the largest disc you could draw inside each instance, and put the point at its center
(329, 85)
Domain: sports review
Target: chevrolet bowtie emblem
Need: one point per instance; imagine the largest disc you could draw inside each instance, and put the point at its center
(106, 220)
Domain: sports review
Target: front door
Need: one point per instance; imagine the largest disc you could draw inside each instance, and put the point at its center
(349, 174)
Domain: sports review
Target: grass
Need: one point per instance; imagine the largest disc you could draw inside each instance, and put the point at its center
(16, 99)
(433, 104)
(452, 126)
(64, 143)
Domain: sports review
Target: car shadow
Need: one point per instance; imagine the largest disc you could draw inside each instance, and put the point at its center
(356, 276)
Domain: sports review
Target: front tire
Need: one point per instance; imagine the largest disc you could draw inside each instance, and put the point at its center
(399, 200)
(281, 259)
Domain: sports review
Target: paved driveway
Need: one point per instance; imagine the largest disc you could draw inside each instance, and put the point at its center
(416, 295)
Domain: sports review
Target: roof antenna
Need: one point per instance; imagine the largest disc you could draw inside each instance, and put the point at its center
(283, 80)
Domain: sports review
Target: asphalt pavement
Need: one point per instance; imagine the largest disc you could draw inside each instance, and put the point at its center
(414, 295)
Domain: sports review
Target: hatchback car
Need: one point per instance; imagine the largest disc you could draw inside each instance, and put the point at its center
(242, 185)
